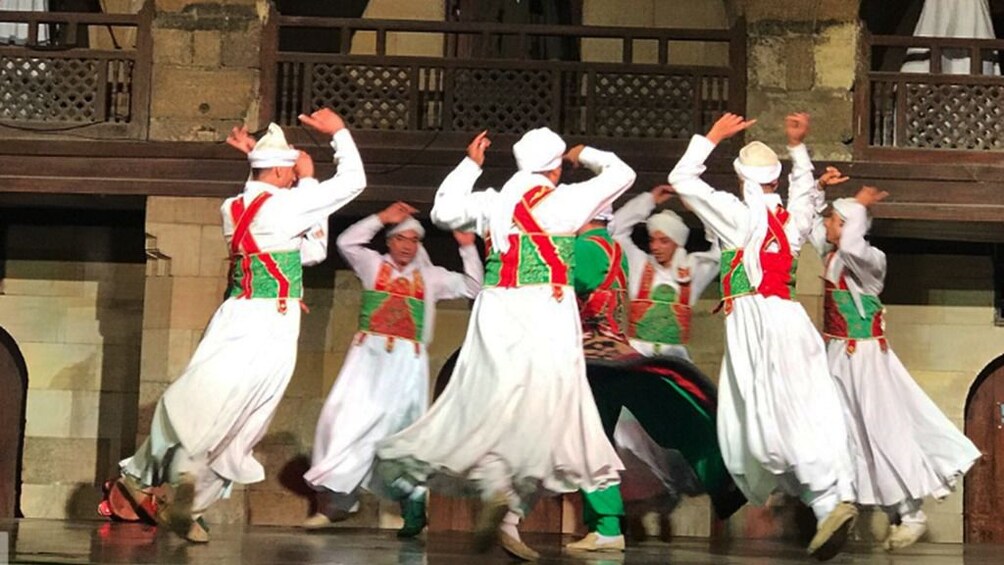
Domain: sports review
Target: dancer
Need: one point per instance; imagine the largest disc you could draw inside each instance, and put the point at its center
(667, 282)
(780, 419)
(517, 418)
(208, 422)
(904, 447)
(384, 384)
(670, 404)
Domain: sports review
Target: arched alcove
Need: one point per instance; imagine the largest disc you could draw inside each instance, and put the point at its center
(13, 395)
(984, 484)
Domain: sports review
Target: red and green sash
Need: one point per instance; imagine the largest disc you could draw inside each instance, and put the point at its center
(395, 308)
(843, 321)
(778, 267)
(534, 256)
(660, 314)
(253, 273)
(605, 304)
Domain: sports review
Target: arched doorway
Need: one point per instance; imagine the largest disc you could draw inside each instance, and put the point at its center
(984, 485)
(13, 395)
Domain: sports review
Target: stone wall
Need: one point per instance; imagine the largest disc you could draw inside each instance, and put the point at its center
(802, 58)
(75, 308)
(206, 67)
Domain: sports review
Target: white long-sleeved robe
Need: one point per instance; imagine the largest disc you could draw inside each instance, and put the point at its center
(379, 392)
(702, 267)
(518, 412)
(904, 446)
(780, 420)
(221, 406)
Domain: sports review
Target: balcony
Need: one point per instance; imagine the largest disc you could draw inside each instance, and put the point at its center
(77, 74)
(627, 85)
(920, 117)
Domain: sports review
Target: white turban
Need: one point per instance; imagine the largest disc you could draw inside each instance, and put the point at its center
(409, 224)
(671, 224)
(272, 150)
(539, 150)
(756, 165)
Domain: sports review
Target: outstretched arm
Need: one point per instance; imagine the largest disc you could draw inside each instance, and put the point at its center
(634, 212)
(583, 200)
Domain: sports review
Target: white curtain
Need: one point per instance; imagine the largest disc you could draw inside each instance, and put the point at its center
(18, 33)
(953, 18)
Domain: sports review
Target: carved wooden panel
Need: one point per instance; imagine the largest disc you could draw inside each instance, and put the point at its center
(48, 89)
(503, 100)
(367, 96)
(955, 116)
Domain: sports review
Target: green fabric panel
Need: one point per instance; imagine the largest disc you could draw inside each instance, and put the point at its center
(602, 510)
(659, 323)
(532, 268)
(263, 285)
(857, 327)
(591, 262)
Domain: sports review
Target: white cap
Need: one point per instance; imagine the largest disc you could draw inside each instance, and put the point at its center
(539, 150)
(758, 163)
(272, 150)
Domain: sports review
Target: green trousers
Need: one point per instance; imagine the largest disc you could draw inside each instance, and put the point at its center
(602, 510)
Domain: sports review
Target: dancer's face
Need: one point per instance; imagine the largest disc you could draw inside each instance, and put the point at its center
(661, 247)
(834, 225)
(403, 247)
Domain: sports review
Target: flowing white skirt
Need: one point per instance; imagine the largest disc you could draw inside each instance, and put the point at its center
(221, 406)
(904, 446)
(779, 410)
(518, 395)
(377, 394)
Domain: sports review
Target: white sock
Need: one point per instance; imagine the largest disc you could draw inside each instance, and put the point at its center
(823, 505)
(600, 538)
(509, 524)
(419, 493)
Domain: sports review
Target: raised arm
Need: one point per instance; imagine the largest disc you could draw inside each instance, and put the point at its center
(582, 201)
(353, 245)
(817, 234)
(468, 283)
(634, 212)
(456, 206)
(866, 262)
(704, 269)
(314, 201)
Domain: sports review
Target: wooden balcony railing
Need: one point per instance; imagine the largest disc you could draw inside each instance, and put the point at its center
(933, 112)
(55, 81)
(465, 90)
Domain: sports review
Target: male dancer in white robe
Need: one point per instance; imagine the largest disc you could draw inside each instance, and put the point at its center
(780, 419)
(208, 421)
(383, 386)
(665, 283)
(517, 418)
(905, 447)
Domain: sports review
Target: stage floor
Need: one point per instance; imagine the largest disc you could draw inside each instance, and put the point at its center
(45, 541)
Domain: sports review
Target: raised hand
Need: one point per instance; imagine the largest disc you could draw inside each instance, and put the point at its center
(476, 149)
(831, 177)
(796, 127)
(324, 120)
(397, 213)
(464, 238)
(662, 193)
(241, 140)
(304, 166)
(728, 126)
(572, 156)
(869, 195)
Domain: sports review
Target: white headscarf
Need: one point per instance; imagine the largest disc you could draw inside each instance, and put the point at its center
(272, 150)
(408, 224)
(539, 150)
(756, 165)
